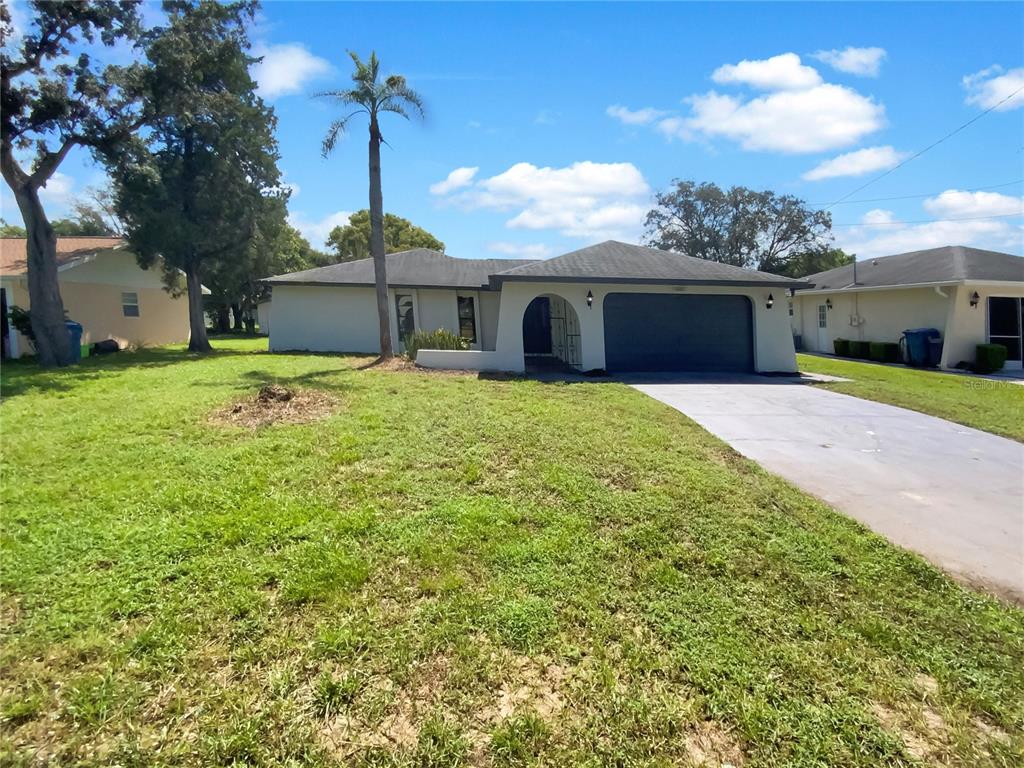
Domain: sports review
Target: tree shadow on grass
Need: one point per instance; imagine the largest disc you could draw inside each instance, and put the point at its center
(18, 377)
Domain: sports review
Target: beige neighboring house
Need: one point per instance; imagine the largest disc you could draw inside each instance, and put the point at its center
(103, 288)
(969, 295)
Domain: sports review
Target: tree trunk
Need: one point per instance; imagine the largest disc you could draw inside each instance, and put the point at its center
(377, 243)
(223, 319)
(197, 341)
(53, 345)
(236, 317)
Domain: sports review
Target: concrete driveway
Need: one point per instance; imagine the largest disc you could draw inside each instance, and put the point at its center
(951, 493)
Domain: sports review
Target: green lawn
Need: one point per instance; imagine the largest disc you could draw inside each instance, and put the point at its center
(994, 406)
(450, 570)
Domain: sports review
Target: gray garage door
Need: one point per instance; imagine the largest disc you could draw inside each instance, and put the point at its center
(673, 332)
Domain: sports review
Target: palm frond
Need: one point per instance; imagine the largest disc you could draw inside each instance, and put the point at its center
(333, 133)
(346, 97)
(388, 105)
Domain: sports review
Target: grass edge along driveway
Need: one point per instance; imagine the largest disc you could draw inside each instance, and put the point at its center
(985, 404)
(450, 570)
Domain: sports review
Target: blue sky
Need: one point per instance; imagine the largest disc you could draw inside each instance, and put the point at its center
(574, 115)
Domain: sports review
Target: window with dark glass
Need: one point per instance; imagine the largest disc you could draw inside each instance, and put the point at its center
(467, 318)
(406, 319)
(1006, 324)
(130, 304)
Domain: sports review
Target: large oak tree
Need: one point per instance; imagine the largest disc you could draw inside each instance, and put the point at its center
(199, 187)
(54, 97)
(743, 227)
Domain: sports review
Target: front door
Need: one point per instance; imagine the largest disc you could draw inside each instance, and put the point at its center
(824, 343)
(1006, 326)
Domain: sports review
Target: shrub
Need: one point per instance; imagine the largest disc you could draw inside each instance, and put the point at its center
(989, 358)
(860, 350)
(22, 322)
(842, 347)
(884, 351)
(439, 339)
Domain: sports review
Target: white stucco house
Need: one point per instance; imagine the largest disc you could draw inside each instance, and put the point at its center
(103, 288)
(970, 296)
(610, 306)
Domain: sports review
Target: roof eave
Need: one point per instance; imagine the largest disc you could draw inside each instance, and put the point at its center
(497, 280)
(343, 284)
(892, 287)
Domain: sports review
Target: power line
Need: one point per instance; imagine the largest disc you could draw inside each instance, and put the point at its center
(916, 155)
(928, 221)
(913, 197)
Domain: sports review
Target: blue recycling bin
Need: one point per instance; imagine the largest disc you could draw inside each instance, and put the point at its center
(917, 346)
(75, 336)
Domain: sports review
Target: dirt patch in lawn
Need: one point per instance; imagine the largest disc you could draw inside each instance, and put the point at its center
(274, 404)
(405, 365)
(919, 742)
(709, 744)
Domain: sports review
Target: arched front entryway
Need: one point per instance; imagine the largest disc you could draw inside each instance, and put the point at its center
(551, 334)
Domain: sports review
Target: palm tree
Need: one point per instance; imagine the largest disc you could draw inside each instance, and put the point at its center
(371, 96)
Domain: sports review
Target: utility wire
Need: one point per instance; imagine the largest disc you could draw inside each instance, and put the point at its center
(913, 197)
(916, 155)
(928, 221)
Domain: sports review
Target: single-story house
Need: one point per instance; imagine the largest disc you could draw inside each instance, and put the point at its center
(610, 306)
(102, 287)
(970, 296)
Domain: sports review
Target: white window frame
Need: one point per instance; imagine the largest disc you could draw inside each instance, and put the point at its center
(475, 296)
(822, 316)
(130, 302)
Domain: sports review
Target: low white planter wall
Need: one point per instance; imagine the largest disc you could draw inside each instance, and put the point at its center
(458, 359)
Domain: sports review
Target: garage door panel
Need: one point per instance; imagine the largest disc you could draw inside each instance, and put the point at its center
(673, 332)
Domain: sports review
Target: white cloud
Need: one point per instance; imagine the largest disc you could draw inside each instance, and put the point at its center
(628, 116)
(521, 251)
(866, 62)
(990, 86)
(460, 177)
(286, 68)
(955, 203)
(881, 234)
(856, 163)
(59, 190)
(779, 73)
(586, 199)
(317, 230)
(546, 117)
(814, 120)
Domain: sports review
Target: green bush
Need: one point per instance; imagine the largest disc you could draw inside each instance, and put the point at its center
(860, 350)
(989, 358)
(842, 347)
(884, 351)
(439, 339)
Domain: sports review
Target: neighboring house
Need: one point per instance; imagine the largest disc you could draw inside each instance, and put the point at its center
(263, 317)
(971, 296)
(103, 288)
(610, 306)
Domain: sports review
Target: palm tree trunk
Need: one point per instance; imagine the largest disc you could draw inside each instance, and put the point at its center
(377, 243)
(53, 344)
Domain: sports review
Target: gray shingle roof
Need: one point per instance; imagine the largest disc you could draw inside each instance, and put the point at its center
(612, 261)
(949, 264)
(418, 268)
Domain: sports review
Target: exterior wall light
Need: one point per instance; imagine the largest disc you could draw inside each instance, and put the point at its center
(771, 301)
(975, 298)
(590, 299)
(828, 303)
